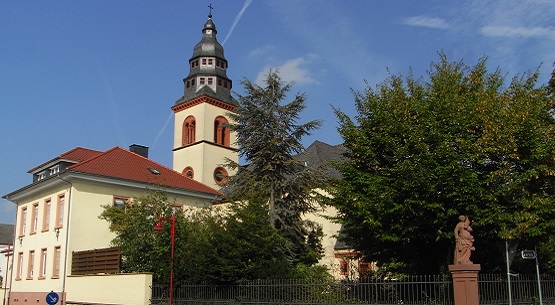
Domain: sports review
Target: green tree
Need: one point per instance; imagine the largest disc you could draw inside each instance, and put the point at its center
(422, 152)
(233, 245)
(269, 137)
(551, 83)
(143, 249)
(218, 246)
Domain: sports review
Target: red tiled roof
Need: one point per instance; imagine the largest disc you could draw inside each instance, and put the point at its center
(80, 154)
(77, 154)
(123, 164)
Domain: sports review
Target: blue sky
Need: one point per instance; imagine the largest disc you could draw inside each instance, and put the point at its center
(100, 74)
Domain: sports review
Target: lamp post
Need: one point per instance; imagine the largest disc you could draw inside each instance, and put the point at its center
(159, 227)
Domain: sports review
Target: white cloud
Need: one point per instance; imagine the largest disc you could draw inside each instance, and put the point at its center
(327, 27)
(261, 51)
(428, 22)
(519, 31)
(516, 35)
(293, 70)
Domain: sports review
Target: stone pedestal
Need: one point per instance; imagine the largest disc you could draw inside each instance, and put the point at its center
(465, 284)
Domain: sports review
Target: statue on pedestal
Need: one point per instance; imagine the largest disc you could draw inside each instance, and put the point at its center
(463, 241)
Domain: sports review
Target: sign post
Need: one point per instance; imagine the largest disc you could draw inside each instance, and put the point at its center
(531, 254)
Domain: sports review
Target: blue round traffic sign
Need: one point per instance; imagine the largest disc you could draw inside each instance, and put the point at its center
(52, 298)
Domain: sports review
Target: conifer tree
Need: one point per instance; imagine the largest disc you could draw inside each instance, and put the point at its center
(269, 137)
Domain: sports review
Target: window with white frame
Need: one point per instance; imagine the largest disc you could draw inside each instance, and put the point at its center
(54, 170)
(43, 256)
(31, 264)
(19, 266)
(60, 211)
(46, 215)
(34, 218)
(57, 255)
(23, 221)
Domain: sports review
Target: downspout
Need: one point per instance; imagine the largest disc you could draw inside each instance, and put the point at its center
(63, 298)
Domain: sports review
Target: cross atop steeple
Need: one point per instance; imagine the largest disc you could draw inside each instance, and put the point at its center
(211, 8)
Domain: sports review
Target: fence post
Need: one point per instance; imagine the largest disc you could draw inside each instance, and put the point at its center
(465, 284)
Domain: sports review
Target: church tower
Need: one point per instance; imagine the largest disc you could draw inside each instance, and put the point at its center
(202, 139)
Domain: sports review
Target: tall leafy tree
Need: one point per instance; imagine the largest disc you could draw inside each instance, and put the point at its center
(211, 245)
(143, 249)
(269, 137)
(421, 152)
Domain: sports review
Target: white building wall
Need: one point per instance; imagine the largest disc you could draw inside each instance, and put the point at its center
(83, 203)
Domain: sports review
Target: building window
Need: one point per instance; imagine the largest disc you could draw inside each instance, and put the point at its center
(219, 82)
(43, 256)
(210, 80)
(31, 264)
(202, 81)
(54, 170)
(56, 269)
(221, 131)
(225, 84)
(35, 218)
(188, 133)
(41, 175)
(364, 269)
(220, 175)
(176, 207)
(188, 84)
(188, 172)
(210, 61)
(23, 221)
(204, 61)
(344, 267)
(120, 202)
(19, 266)
(46, 215)
(60, 211)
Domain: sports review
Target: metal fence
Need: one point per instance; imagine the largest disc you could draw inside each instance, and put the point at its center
(493, 289)
(413, 290)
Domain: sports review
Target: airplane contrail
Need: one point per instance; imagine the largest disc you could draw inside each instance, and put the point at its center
(163, 128)
(237, 18)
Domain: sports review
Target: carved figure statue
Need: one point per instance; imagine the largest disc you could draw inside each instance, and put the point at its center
(464, 241)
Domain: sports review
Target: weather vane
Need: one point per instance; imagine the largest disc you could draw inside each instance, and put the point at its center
(210, 6)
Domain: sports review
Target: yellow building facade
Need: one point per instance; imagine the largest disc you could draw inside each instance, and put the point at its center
(58, 221)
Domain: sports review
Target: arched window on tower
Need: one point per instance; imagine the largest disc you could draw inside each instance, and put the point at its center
(221, 131)
(188, 133)
(189, 172)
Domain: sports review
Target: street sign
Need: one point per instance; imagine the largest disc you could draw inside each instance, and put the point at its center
(52, 298)
(528, 254)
